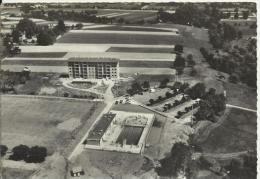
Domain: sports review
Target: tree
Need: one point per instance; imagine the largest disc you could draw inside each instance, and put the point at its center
(193, 72)
(245, 14)
(60, 28)
(239, 35)
(178, 48)
(79, 26)
(26, 8)
(3, 150)
(160, 98)
(16, 35)
(20, 153)
(179, 64)
(197, 91)
(168, 94)
(36, 154)
(27, 26)
(190, 60)
(233, 78)
(45, 38)
(172, 165)
(236, 15)
(146, 85)
(151, 101)
(164, 82)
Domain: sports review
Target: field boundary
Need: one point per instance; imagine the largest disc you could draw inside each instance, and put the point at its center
(49, 97)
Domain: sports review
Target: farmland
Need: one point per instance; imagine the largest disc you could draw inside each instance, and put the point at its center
(140, 50)
(42, 55)
(237, 133)
(105, 38)
(130, 28)
(43, 121)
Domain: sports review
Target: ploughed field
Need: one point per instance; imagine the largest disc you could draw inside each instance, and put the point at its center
(140, 50)
(42, 54)
(106, 38)
(48, 122)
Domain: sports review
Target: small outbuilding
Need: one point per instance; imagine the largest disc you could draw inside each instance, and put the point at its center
(77, 171)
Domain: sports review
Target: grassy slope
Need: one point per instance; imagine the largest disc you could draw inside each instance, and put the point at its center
(237, 133)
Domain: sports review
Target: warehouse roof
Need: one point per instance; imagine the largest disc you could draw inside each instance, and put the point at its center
(123, 56)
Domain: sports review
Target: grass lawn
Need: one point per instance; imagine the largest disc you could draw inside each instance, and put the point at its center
(9, 173)
(240, 95)
(140, 50)
(34, 121)
(237, 133)
(42, 55)
(104, 38)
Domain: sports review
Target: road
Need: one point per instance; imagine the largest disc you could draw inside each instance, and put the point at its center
(239, 107)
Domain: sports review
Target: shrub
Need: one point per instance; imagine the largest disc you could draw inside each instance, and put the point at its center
(20, 153)
(3, 150)
(36, 154)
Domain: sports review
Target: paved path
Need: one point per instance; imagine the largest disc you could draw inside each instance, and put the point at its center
(239, 107)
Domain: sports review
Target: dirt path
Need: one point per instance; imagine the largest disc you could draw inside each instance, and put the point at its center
(239, 107)
(221, 156)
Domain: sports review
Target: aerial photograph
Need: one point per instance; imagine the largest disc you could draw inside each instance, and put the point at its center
(128, 90)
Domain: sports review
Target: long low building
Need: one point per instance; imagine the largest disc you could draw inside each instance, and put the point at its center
(88, 64)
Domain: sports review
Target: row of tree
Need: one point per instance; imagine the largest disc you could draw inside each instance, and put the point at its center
(35, 154)
(82, 16)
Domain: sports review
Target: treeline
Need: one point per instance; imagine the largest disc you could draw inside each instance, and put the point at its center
(191, 14)
(219, 34)
(240, 63)
(82, 16)
(44, 35)
(35, 154)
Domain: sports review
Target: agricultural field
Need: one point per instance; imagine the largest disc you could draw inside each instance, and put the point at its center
(131, 28)
(106, 38)
(42, 55)
(140, 50)
(146, 64)
(48, 122)
(237, 133)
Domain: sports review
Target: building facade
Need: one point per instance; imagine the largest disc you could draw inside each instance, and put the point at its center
(90, 68)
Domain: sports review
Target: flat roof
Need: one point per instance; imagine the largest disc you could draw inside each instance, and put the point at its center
(87, 59)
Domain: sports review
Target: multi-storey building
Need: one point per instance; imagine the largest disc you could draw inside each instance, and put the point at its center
(96, 68)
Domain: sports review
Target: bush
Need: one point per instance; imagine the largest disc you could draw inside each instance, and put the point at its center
(20, 153)
(36, 154)
(178, 48)
(3, 150)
